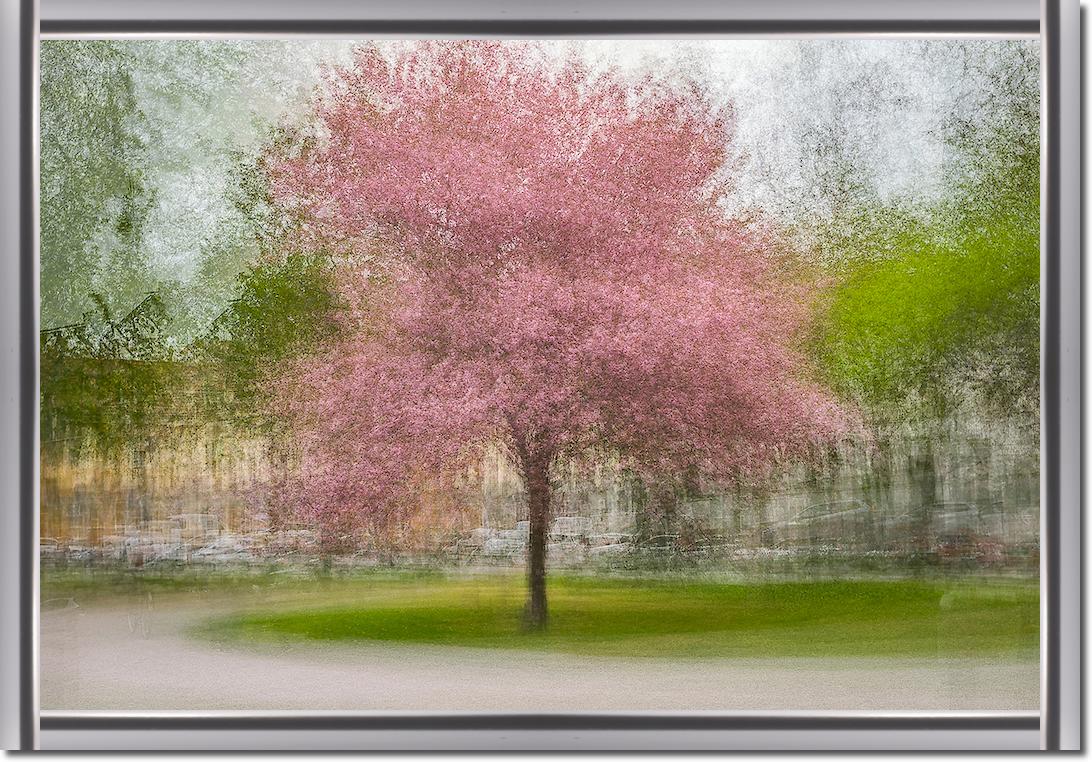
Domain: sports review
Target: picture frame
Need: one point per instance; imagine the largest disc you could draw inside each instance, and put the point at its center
(1059, 724)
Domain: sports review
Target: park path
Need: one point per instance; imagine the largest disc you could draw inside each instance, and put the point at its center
(139, 655)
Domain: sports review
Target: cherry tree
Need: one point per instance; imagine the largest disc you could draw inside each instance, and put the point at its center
(532, 257)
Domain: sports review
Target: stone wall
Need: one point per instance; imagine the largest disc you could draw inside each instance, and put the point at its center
(992, 465)
(989, 464)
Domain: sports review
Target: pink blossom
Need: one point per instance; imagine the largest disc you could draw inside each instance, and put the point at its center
(545, 269)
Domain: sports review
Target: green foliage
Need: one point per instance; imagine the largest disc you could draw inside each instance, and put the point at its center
(929, 308)
(284, 308)
(93, 197)
(914, 323)
(285, 304)
(108, 380)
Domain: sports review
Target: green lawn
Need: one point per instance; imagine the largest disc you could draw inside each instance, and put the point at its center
(616, 617)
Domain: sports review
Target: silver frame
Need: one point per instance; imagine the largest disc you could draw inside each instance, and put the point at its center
(1058, 726)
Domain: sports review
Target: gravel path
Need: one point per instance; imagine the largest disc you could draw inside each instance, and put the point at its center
(139, 656)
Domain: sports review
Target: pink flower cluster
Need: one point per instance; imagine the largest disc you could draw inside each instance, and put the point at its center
(535, 259)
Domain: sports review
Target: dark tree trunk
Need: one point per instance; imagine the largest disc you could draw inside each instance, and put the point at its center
(536, 472)
(877, 488)
(665, 501)
(925, 477)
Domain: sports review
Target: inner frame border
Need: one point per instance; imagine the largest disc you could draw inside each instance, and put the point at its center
(1053, 372)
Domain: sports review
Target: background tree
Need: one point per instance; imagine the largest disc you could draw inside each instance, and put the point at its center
(94, 203)
(108, 380)
(283, 308)
(531, 256)
(926, 310)
(935, 309)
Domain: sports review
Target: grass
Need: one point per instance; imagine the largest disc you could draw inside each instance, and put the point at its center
(90, 583)
(668, 618)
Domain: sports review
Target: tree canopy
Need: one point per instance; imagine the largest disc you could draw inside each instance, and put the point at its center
(930, 308)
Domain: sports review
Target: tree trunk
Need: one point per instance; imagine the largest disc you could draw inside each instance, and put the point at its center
(665, 500)
(877, 488)
(925, 477)
(538, 505)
